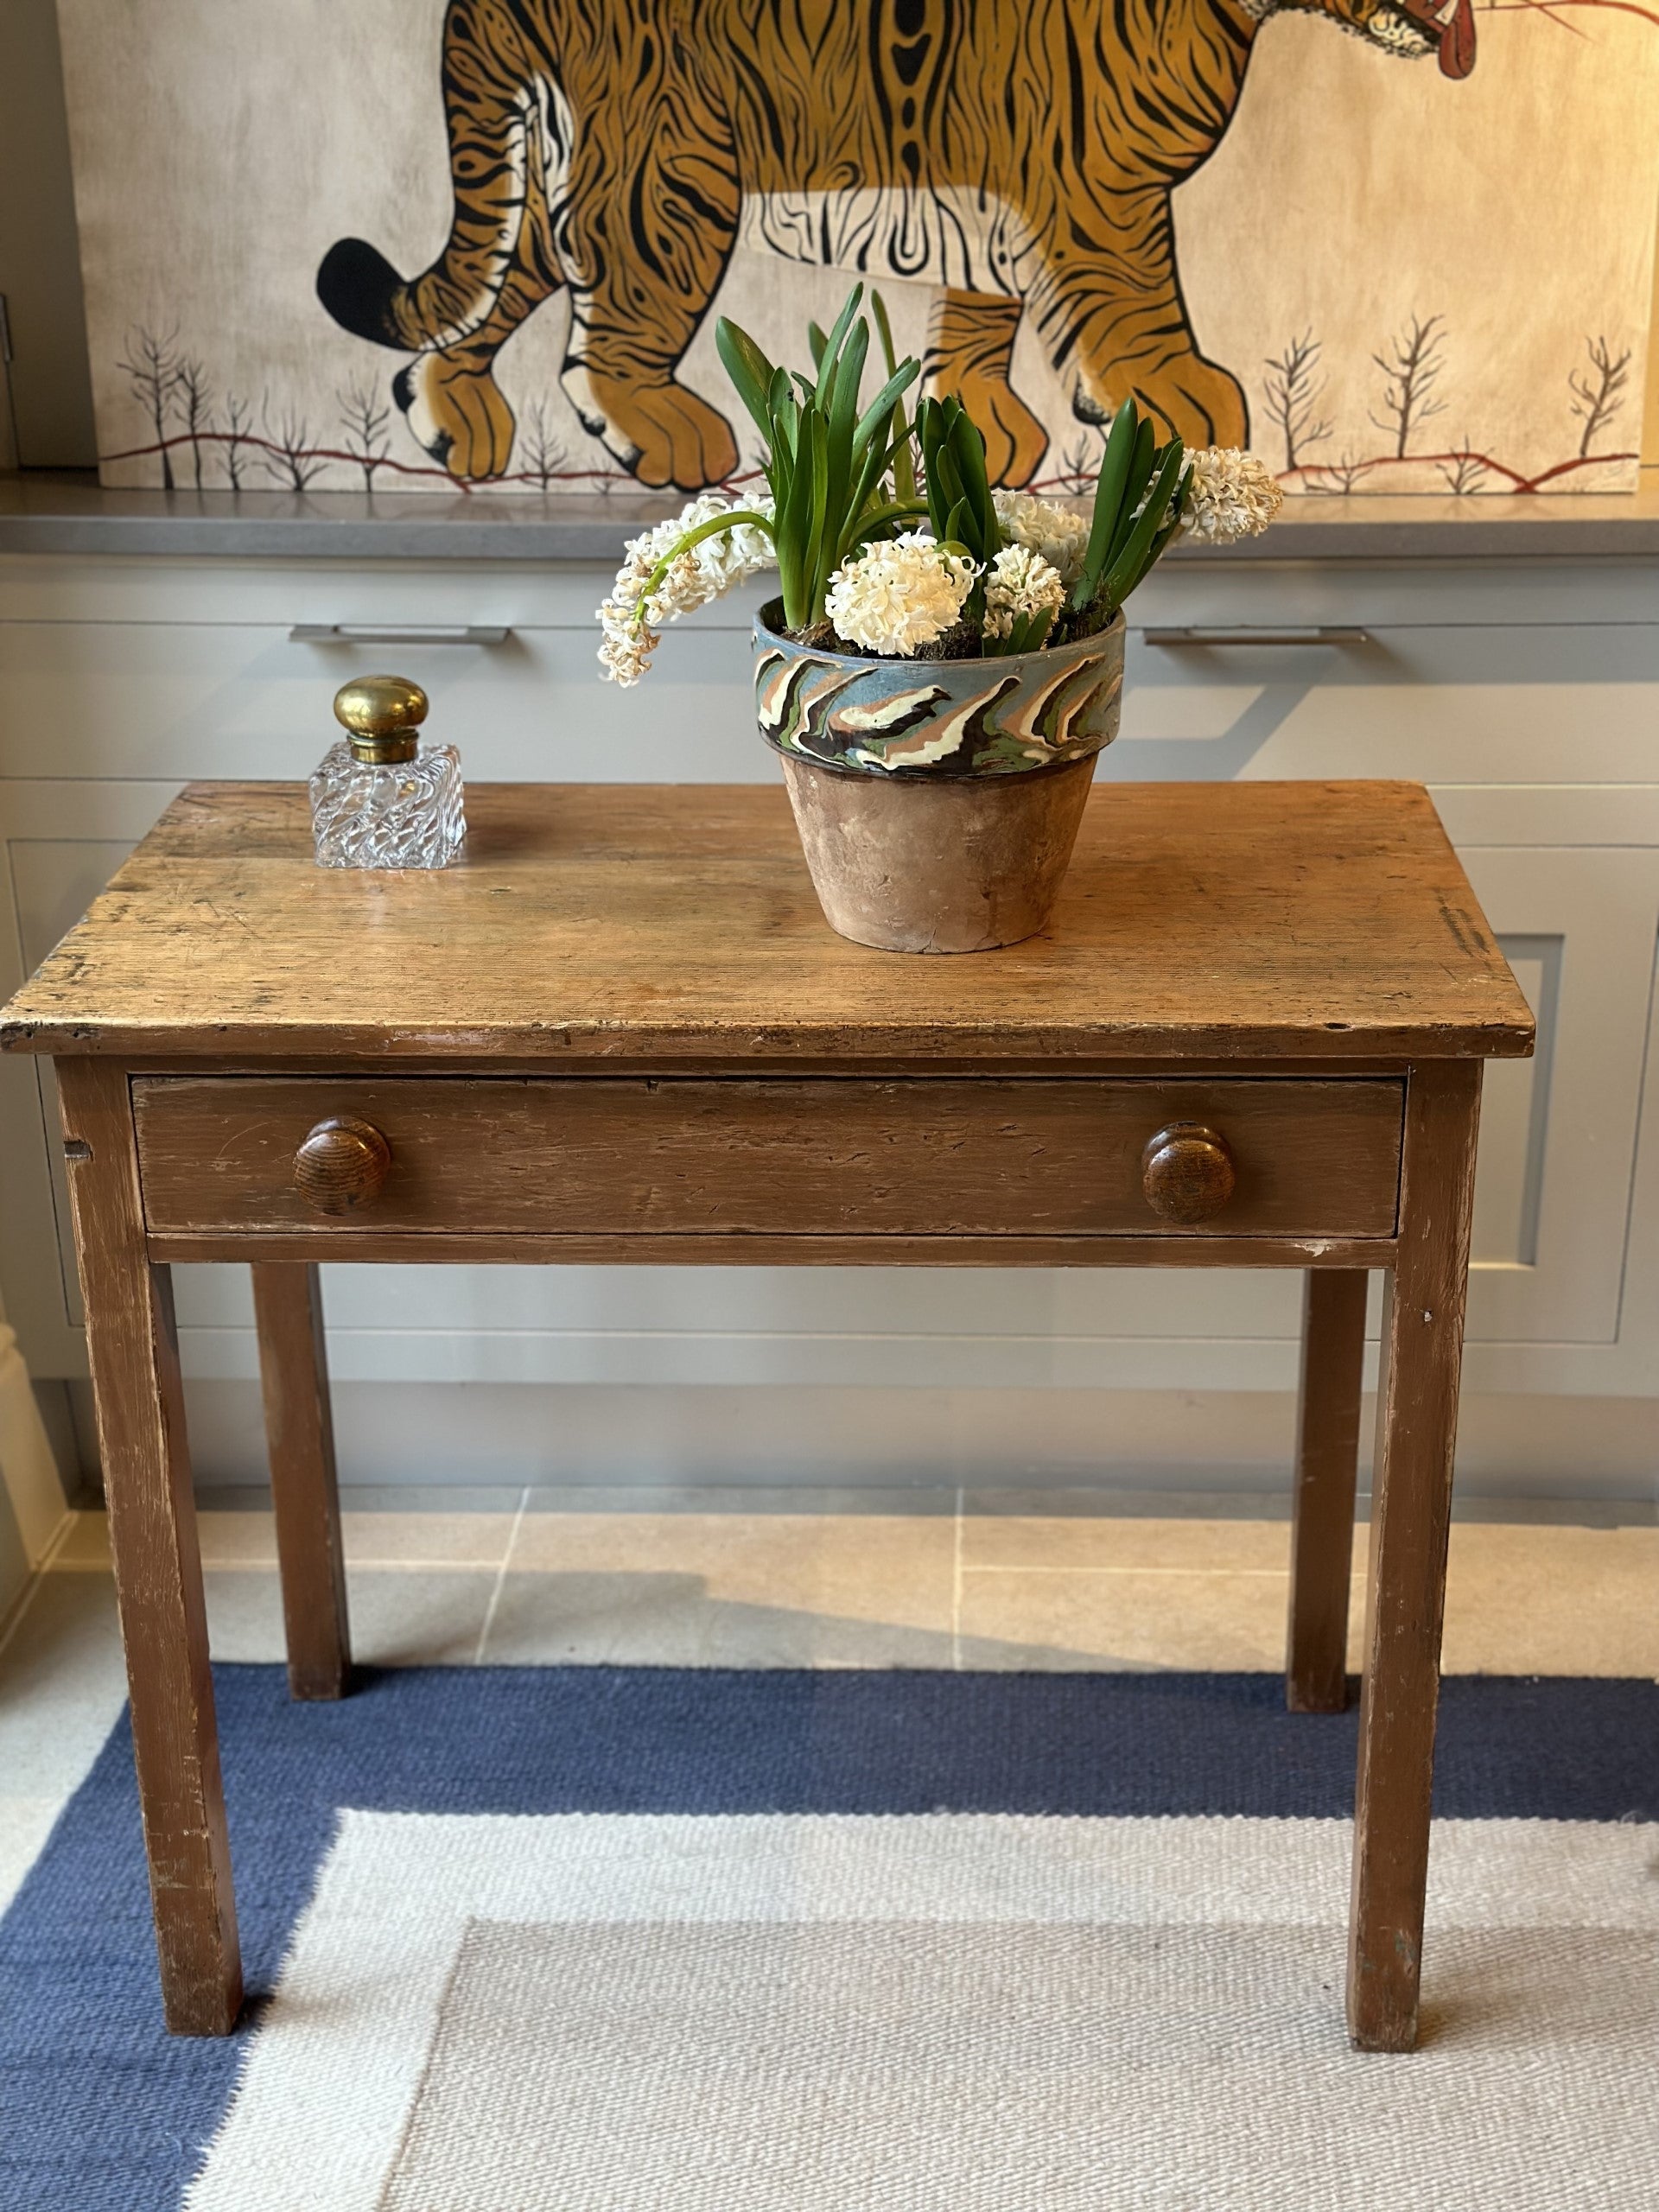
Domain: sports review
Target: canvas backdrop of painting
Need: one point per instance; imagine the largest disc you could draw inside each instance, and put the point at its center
(1400, 247)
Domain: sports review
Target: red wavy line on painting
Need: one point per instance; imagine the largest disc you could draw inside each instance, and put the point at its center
(1518, 481)
(1479, 459)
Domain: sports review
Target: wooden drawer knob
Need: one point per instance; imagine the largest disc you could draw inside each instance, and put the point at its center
(1187, 1173)
(341, 1165)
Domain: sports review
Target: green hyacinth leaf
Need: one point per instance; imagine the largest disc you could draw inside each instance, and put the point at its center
(1132, 562)
(1109, 501)
(752, 374)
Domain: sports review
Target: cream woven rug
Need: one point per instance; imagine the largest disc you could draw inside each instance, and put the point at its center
(598, 2013)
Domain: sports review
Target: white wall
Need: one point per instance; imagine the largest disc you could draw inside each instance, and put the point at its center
(500, 1436)
(32, 1504)
(51, 394)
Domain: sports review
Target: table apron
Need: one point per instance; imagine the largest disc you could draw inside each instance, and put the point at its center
(184, 1248)
(975, 1171)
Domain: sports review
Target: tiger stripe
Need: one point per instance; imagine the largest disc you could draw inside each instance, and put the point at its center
(1021, 157)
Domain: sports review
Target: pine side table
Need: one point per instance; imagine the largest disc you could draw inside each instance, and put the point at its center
(620, 1030)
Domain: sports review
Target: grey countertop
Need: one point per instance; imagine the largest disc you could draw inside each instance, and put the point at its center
(48, 515)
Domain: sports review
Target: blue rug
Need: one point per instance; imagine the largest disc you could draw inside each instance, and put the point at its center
(101, 2111)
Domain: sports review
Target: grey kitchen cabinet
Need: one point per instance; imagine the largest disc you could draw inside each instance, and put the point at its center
(1525, 694)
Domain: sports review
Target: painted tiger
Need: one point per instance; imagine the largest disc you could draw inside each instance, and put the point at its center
(1018, 154)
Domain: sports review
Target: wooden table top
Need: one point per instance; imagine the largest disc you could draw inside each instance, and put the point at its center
(1326, 921)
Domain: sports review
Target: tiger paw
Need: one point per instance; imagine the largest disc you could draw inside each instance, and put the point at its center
(1016, 441)
(457, 414)
(661, 433)
(1189, 397)
(970, 341)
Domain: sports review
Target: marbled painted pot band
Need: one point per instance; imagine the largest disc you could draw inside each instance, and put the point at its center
(943, 719)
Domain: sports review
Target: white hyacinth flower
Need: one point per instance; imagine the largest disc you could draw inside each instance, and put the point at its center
(628, 617)
(1232, 495)
(899, 594)
(625, 646)
(1019, 585)
(1057, 533)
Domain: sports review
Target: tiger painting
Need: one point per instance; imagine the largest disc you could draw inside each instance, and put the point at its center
(1017, 155)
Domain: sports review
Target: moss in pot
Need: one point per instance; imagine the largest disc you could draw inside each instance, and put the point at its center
(944, 662)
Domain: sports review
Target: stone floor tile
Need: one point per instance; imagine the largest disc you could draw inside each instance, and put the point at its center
(62, 1685)
(712, 1590)
(1043, 1541)
(1052, 1620)
(402, 1617)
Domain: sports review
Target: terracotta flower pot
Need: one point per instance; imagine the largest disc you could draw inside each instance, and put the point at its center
(938, 801)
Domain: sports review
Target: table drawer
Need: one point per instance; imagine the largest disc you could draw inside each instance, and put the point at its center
(611, 1155)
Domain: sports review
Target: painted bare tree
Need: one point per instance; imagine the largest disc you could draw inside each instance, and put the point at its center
(1344, 475)
(365, 418)
(1412, 367)
(238, 429)
(195, 405)
(288, 452)
(1294, 389)
(1080, 463)
(152, 366)
(1464, 473)
(1599, 392)
(543, 454)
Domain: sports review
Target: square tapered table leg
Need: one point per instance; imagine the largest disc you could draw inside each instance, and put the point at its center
(1327, 1451)
(133, 1344)
(1411, 1502)
(304, 1488)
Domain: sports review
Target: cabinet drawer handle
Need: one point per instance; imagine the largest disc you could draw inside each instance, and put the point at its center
(1324, 634)
(1187, 1173)
(369, 633)
(341, 1165)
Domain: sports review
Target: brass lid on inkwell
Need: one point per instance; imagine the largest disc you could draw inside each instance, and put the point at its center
(381, 716)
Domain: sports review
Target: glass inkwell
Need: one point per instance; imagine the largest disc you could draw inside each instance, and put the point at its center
(379, 799)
